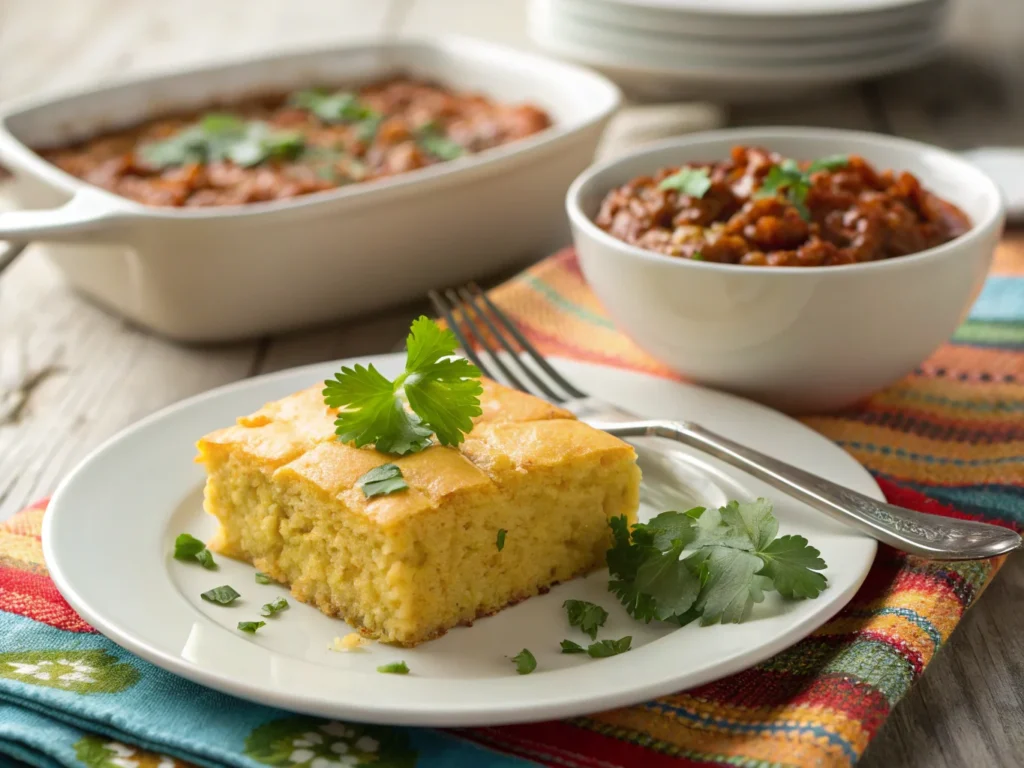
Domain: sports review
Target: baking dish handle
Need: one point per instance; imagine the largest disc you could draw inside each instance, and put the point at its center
(88, 216)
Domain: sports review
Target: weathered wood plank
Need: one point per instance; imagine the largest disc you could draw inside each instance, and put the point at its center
(104, 375)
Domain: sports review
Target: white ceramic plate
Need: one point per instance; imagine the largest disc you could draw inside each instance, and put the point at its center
(109, 532)
(651, 77)
(682, 50)
(755, 25)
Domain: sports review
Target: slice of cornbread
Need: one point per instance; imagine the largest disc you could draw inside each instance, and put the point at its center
(408, 566)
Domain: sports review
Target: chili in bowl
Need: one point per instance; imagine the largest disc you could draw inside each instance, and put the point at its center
(758, 208)
(806, 268)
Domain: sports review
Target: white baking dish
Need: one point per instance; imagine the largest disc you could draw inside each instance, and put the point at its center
(222, 273)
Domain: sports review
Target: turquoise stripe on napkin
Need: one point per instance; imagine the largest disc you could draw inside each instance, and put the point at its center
(55, 683)
(1001, 300)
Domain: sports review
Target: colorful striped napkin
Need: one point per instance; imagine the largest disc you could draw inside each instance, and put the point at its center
(949, 440)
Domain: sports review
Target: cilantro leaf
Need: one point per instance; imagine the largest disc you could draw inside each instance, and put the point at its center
(382, 480)
(373, 412)
(669, 529)
(754, 519)
(187, 546)
(217, 137)
(692, 182)
(262, 578)
(394, 668)
(278, 605)
(224, 595)
(669, 581)
(251, 626)
(431, 138)
(587, 616)
(713, 530)
(786, 177)
(730, 589)
(501, 539)
(340, 107)
(828, 163)
(568, 646)
(443, 396)
(205, 558)
(605, 648)
(792, 565)
(525, 662)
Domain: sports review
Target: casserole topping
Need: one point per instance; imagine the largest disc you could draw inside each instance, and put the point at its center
(760, 209)
(285, 145)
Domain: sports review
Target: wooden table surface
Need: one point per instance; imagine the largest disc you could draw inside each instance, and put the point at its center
(71, 375)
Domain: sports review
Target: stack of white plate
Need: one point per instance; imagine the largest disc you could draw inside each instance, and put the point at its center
(747, 49)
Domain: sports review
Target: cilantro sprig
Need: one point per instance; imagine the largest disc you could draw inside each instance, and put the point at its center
(711, 564)
(188, 548)
(442, 394)
(587, 616)
(382, 480)
(278, 605)
(787, 178)
(602, 649)
(525, 662)
(338, 107)
(431, 138)
(692, 182)
(217, 137)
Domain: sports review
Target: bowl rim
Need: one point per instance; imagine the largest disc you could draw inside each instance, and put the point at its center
(993, 220)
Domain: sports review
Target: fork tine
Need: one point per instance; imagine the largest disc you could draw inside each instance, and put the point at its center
(481, 337)
(443, 310)
(469, 301)
(526, 345)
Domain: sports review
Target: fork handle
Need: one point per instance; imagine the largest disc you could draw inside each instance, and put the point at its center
(931, 536)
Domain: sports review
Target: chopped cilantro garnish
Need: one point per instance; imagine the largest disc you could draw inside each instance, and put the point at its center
(224, 595)
(217, 137)
(443, 395)
(692, 182)
(788, 178)
(568, 646)
(734, 556)
(394, 668)
(587, 616)
(432, 139)
(190, 549)
(262, 578)
(697, 256)
(205, 558)
(382, 480)
(187, 546)
(524, 661)
(340, 107)
(251, 626)
(278, 605)
(501, 539)
(605, 648)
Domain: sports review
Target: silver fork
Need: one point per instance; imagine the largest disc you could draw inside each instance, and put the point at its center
(931, 536)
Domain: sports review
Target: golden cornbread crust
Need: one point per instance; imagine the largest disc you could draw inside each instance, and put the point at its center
(407, 567)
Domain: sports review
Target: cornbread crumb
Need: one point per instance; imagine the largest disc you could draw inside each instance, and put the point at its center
(350, 642)
(407, 567)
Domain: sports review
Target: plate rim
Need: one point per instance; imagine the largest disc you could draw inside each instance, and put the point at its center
(403, 714)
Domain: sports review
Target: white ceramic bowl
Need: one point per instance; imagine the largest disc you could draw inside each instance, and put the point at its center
(800, 339)
(222, 273)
